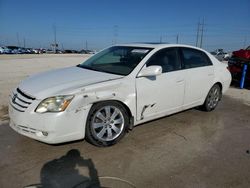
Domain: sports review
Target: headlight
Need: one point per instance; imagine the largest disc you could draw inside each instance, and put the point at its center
(54, 104)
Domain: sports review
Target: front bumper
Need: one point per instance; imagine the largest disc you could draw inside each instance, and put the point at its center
(51, 128)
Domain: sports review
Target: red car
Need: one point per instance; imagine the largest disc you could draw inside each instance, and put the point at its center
(236, 64)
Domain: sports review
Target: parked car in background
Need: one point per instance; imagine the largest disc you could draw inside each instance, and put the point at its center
(220, 54)
(49, 51)
(227, 56)
(114, 90)
(35, 51)
(242, 53)
(91, 52)
(29, 51)
(4, 50)
(70, 52)
(236, 63)
(83, 51)
(86, 51)
(22, 50)
(41, 50)
(235, 66)
(15, 49)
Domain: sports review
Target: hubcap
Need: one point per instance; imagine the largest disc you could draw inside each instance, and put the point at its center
(107, 123)
(213, 97)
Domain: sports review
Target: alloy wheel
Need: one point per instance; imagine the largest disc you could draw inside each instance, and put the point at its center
(213, 97)
(107, 123)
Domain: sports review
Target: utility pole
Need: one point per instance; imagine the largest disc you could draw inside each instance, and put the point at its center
(115, 33)
(86, 45)
(244, 43)
(202, 30)
(55, 42)
(161, 39)
(24, 42)
(197, 35)
(18, 41)
(177, 38)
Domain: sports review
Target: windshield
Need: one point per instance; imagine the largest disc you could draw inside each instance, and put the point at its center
(119, 60)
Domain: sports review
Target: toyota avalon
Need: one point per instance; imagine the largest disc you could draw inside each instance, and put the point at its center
(114, 90)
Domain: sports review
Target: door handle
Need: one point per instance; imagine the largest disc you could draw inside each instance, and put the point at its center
(210, 74)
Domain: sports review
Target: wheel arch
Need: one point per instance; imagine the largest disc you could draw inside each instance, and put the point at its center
(220, 84)
(221, 87)
(216, 82)
(130, 115)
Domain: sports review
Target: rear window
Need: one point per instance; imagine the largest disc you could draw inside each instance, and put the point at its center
(193, 58)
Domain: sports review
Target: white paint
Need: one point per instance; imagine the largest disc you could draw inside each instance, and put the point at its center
(164, 94)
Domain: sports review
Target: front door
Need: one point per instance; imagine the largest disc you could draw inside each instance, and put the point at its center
(163, 94)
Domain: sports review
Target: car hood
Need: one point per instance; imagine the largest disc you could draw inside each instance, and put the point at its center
(62, 81)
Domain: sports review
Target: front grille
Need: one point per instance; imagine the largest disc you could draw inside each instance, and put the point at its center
(20, 100)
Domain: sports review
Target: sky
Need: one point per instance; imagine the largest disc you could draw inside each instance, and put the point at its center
(96, 24)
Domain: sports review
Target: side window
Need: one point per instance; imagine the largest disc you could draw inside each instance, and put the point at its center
(167, 59)
(194, 58)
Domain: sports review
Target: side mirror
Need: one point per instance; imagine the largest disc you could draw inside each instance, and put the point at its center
(153, 70)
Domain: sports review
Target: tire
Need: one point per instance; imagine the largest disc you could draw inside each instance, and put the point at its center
(212, 99)
(107, 123)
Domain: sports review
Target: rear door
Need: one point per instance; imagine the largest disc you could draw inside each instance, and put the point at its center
(200, 76)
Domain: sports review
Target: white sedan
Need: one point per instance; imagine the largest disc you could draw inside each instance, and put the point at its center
(114, 90)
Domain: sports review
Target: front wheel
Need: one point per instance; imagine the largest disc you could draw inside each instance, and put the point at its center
(107, 123)
(213, 98)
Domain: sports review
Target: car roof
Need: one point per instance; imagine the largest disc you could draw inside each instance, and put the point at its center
(157, 45)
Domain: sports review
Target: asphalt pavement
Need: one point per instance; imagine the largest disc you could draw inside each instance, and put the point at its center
(188, 149)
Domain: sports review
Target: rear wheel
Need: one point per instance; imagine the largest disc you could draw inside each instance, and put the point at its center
(107, 123)
(213, 98)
